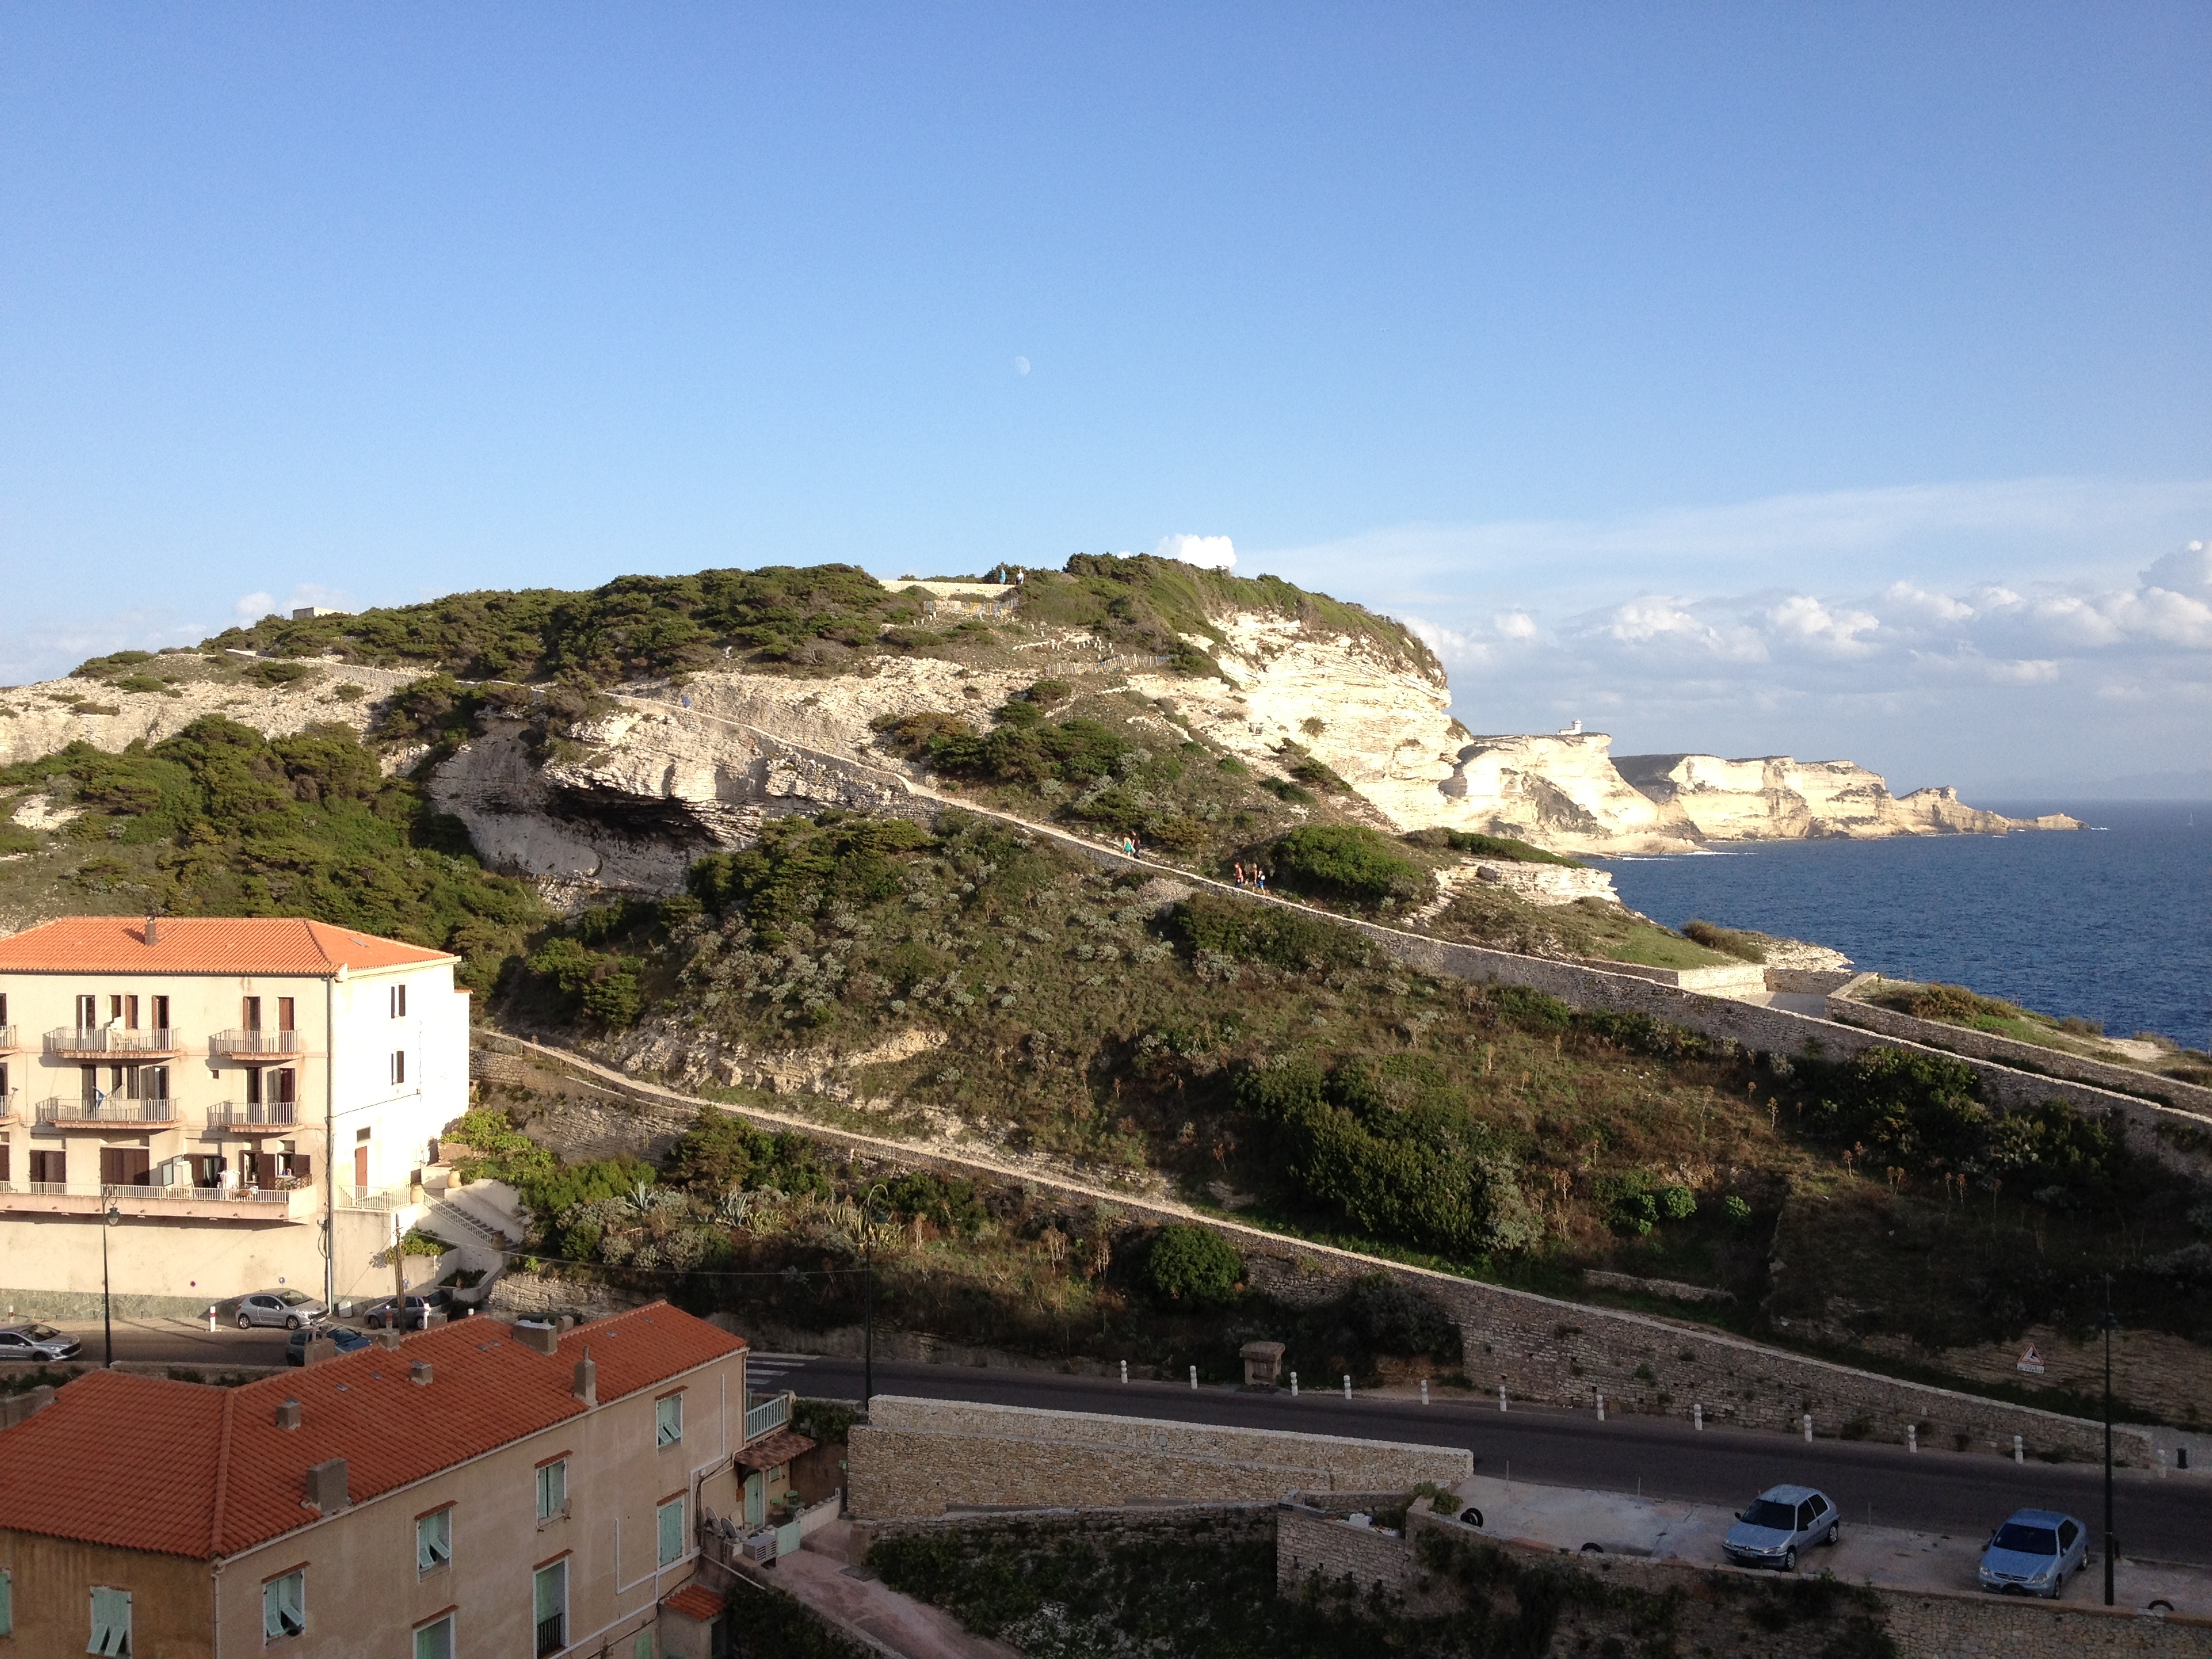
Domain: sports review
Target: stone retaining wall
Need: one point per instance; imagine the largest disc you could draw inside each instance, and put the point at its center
(1150, 1523)
(918, 1457)
(2026, 1056)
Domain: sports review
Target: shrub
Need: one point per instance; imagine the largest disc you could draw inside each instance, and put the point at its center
(1194, 1266)
(1342, 860)
(1489, 847)
(721, 1153)
(1252, 933)
(1737, 1212)
(1630, 1206)
(1726, 940)
(950, 1202)
(1677, 1203)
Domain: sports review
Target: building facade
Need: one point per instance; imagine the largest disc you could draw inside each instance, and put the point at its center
(232, 1103)
(479, 1489)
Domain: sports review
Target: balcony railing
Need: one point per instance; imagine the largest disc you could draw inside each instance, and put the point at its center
(107, 1111)
(7, 1039)
(254, 1114)
(175, 1195)
(254, 1045)
(768, 1416)
(71, 1040)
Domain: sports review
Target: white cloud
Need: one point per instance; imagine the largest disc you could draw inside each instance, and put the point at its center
(1208, 552)
(252, 607)
(44, 648)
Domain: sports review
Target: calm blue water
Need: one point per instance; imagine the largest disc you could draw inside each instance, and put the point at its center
(2114, 922)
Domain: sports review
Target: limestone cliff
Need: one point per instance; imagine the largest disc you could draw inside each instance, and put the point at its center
(1775, 797)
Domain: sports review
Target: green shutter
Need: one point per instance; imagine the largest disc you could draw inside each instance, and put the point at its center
(552, 1590)
(7, 1598)
(671, 1531)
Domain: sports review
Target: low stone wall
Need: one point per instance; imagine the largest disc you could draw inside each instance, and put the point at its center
(1119, 1524)
(1810, 981)
(918, 1457)
(524, 1296)
(2025, 1056)
(1922, 1624)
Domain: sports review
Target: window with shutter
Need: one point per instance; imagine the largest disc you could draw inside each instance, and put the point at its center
(668, 1421)
(434, 1541)
(552, 1489)
(110, 1623)
(641, 1646)
(7, 1580)
(284, 1607)
(552, 1599)
(435, 1640)
(669, 1517)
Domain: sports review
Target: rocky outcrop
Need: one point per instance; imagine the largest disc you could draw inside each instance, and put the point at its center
(1775, 797)
(43, 719)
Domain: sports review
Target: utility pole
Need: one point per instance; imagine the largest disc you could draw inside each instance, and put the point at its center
(398, 1276)
(868, 1327)
(108, 1218)
(2112, 1546)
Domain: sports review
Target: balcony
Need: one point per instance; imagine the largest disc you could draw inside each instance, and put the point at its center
(255, 1118)
(109, 1042)
(106, 1113)
(766, 1418)
(88, 1198)
(9, 1040)
(254, 1045)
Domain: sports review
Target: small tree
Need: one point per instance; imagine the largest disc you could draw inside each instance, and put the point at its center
(1193, 1264)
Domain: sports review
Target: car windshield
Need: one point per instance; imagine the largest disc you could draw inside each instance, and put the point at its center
(2027, 1540)
(40, 1332)
(294, 1299)
(1783, 1517)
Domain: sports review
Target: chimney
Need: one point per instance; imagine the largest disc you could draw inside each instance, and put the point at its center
(538, 1338)
(586, 1385)
(326, 1486)
(419, 1373)
(153, 928)
(288, 1414)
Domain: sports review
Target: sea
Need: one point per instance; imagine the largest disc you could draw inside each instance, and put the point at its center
(2112, 922)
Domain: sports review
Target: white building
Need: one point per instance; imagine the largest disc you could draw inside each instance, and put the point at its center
(254, 1098)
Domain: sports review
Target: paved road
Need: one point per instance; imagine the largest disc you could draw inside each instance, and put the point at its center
(1962, 1494)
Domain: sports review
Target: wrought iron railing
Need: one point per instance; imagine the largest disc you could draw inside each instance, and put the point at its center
(552, 1634)
(254, 1042)
(771, 1414)
(131, 1190)
(107, 1110)
(112, 1040)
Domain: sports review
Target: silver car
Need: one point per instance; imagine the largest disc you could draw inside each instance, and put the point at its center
(289, 1309)
(39, 1342)
(1781, 1521)
(2033, 1553)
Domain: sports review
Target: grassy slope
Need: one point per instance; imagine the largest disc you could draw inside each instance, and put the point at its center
(1326, 1090)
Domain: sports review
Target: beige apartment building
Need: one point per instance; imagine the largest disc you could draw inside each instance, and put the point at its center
(232, 1103)
(477, 1491)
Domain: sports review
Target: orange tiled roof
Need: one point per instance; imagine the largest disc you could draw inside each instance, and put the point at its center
(204, 945)
(695, 1601)
(182, 1468)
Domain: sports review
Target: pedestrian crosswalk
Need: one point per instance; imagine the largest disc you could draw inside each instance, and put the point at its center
(764, 1373)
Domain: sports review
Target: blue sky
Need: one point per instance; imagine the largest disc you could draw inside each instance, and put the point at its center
(1749, 379)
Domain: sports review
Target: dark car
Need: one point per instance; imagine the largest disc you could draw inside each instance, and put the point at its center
(439, 1300)
(349, 1341)
(39, 1342)
(1783, 1520)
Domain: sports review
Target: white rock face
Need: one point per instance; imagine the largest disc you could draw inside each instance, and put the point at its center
(40, 719)
(1775, 797)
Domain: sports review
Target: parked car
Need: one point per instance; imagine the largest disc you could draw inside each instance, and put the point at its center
(1781, 1521)
(37, 1342)
(438, 1299)
(290, 1309)
(2033, 1553)
(349, 1341)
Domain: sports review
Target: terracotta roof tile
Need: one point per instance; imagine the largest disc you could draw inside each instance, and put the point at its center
(180, 1468)
(695, 1601)
(775, 1452)
(204, 945)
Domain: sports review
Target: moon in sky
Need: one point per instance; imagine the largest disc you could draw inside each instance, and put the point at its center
(1021, 365)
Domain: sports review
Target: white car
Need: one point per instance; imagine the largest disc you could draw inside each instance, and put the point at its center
(38, 1342)
(289, 1309)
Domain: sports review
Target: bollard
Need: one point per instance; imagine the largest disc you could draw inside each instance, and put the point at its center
(2018, 1452)
(1697, 1418)
(1193, 1376)
(1294, 1385)
(1424, 1401)
(210, 1318)
(1912, 1437)
(1601, 1408)
(1501, 1396)
(2161, 1462)
(1125, 1370)
(1808, 1425)
(1347, 1385)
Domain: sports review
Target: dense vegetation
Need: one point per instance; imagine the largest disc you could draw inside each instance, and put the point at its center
(219, 820)
(1208, 1591)
(811, 618)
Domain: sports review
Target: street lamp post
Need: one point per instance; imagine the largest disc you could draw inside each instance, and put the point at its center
(868, 1325)
(2109, 1324)
(113, 1215)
